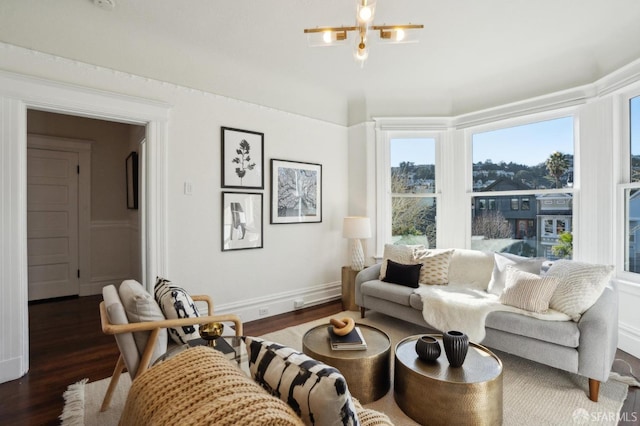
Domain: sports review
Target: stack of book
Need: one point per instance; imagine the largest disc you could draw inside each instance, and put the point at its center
(354, 341)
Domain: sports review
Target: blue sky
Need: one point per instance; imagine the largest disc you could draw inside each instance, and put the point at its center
(529, 144)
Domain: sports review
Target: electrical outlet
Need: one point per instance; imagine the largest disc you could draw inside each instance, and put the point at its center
(263, 311)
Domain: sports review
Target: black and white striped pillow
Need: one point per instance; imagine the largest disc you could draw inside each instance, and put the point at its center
(176, 303)
(317, 392)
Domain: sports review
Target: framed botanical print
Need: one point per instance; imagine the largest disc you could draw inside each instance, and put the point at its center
(242, 220)
(242, 159)
(296, 192)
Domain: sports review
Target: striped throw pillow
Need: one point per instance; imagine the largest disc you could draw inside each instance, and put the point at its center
(528, 291)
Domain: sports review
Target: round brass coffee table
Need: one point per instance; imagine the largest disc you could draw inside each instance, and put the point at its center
(436, 394)
(367, 372)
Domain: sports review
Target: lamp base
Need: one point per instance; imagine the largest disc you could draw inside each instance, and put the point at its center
(357, 256)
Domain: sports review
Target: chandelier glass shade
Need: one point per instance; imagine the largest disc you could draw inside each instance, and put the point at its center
(365, 13)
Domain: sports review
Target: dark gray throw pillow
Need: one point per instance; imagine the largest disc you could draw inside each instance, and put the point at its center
(407, 275)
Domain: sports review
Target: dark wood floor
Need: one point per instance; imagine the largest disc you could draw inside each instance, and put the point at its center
(67, 345)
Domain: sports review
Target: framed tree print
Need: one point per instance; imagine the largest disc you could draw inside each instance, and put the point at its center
(296, 192)
(242, 159)
(241, 220)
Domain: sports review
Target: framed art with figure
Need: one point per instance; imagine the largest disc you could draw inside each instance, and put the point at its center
(242, 159)
(296, 192)
(241, 220)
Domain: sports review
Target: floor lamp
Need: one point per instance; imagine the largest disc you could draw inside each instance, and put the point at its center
(356, 228)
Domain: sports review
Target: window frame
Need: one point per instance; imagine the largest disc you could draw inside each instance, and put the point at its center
(574, 190)
(384, 213)
(625, 184)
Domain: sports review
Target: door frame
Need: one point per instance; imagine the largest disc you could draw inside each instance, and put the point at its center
(83, 149)
(18, 93)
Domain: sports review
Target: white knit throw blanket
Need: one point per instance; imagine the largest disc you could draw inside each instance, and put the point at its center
(466, 309)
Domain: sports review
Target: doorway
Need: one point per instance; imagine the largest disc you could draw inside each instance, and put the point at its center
(20, 93)
(72, 205)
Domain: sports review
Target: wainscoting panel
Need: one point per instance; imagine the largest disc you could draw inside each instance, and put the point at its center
(629, 333)
(111, 260)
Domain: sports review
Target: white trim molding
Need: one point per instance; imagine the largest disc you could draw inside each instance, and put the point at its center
(18, 93)
(250, 310)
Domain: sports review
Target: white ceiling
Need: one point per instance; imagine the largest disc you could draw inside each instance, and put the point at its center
(472, 54)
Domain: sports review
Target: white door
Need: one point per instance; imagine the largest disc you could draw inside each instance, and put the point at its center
(52, 223)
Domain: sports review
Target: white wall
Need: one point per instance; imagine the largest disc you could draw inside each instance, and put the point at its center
(297, 261)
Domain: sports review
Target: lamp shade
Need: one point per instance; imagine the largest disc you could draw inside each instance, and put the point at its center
(356, 227)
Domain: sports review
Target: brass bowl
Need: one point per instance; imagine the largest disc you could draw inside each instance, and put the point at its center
(211, 331)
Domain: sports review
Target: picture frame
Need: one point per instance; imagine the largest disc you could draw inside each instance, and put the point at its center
(242, 159)
(131, 168)
(296, 192)
(242, 221)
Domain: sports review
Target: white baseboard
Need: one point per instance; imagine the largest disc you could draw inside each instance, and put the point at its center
(10, 369)
(264, 307)
(629, 339)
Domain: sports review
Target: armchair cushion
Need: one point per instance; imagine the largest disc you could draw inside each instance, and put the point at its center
(176, 303)
(125, 341)
(140, 306)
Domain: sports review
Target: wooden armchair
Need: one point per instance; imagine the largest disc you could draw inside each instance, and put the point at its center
(114, 321)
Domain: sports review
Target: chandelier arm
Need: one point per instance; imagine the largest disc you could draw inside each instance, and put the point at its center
(332, 29)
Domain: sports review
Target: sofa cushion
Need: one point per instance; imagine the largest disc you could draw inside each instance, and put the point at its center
(565, 333)
(580, 285)
(176, 303)
(399, 254)
(471, 268)
(406, 275)
(502, 260)
(140, 307)
(317, 392)
(393, 293)
(435, 267)
(528, 291)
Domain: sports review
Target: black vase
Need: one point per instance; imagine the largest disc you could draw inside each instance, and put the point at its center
(428, 348)
(456, 345)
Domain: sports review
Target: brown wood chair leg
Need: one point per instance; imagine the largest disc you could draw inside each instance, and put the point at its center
(361, 312)
(113, 383)
(594, 389)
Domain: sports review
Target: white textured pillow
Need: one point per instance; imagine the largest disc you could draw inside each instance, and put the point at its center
(317, 392)
(528, 291)
(400, 254)
(176, 303)
(579, 285)
(140, 307)
(435, 268)
(502, 260)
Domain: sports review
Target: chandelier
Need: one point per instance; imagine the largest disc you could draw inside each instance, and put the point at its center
(365, 12)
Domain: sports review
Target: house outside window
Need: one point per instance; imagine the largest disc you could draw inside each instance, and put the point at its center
(412, 181)
(518, 164)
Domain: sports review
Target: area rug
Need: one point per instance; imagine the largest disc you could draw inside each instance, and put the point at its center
(534, 394)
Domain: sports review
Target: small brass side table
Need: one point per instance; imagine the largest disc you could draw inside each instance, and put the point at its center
(349, 289)
(368, 372)
(434, 393)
